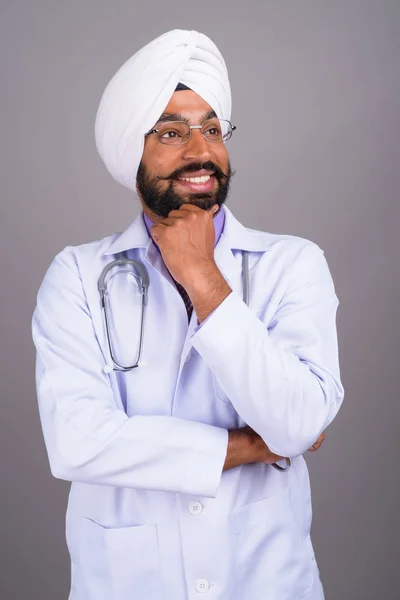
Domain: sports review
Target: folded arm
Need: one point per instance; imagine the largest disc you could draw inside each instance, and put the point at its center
(88, 437)
(283, 379)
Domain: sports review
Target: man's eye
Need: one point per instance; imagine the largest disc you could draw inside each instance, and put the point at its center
(170, 134)
(213, 132)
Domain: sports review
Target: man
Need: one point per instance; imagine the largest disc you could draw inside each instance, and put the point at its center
(187, 472)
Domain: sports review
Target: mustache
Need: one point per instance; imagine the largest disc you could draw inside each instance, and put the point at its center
(207, 166)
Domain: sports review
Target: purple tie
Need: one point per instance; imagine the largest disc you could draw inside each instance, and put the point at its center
(186, 299)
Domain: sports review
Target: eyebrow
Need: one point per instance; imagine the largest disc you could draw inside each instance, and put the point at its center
(165, 117)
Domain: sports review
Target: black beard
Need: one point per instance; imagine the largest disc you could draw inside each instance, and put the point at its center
(162, 202)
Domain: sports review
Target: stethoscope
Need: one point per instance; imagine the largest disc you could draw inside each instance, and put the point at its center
(143, 276)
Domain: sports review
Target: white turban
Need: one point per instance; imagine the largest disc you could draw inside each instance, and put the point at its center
(140, 90)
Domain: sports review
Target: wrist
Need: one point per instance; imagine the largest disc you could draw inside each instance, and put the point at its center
(239, 449)
(199, 278)
(207, 291)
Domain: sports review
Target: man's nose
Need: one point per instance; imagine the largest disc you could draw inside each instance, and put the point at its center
(197, 147)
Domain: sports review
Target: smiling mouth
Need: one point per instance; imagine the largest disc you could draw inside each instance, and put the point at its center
(202, 179)
(202, 183)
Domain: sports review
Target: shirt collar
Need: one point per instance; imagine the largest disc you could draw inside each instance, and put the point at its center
(219, 221)
(232, 233)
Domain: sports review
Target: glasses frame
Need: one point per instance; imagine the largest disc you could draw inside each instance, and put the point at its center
(233, 128)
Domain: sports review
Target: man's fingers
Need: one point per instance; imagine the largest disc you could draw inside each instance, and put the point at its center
(315, 447)
(318, 443)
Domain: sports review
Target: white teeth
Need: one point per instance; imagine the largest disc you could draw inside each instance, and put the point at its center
(203, 179)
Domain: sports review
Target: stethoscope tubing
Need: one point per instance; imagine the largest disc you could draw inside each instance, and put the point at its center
(145, 282)
(102, 287)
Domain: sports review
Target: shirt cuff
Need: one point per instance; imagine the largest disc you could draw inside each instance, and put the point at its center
(200, 325)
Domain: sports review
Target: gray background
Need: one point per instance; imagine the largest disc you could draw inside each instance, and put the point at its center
(315, 98)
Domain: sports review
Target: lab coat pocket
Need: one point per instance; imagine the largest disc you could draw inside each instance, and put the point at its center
(121, 563)
(272, 557)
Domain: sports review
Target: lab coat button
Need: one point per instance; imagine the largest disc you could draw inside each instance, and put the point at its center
(195, 508)
(202, 585)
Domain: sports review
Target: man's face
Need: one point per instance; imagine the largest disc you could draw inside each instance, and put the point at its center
(163, 168)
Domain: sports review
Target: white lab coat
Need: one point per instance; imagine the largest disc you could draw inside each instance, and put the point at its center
(151, 515)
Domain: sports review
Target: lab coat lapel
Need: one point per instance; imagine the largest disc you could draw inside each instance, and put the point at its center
(229, 265)
(187, 346)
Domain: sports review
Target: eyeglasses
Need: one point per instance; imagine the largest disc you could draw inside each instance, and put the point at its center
(174, 133)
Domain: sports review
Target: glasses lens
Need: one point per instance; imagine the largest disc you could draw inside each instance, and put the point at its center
(173, 133)
(217, 130)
